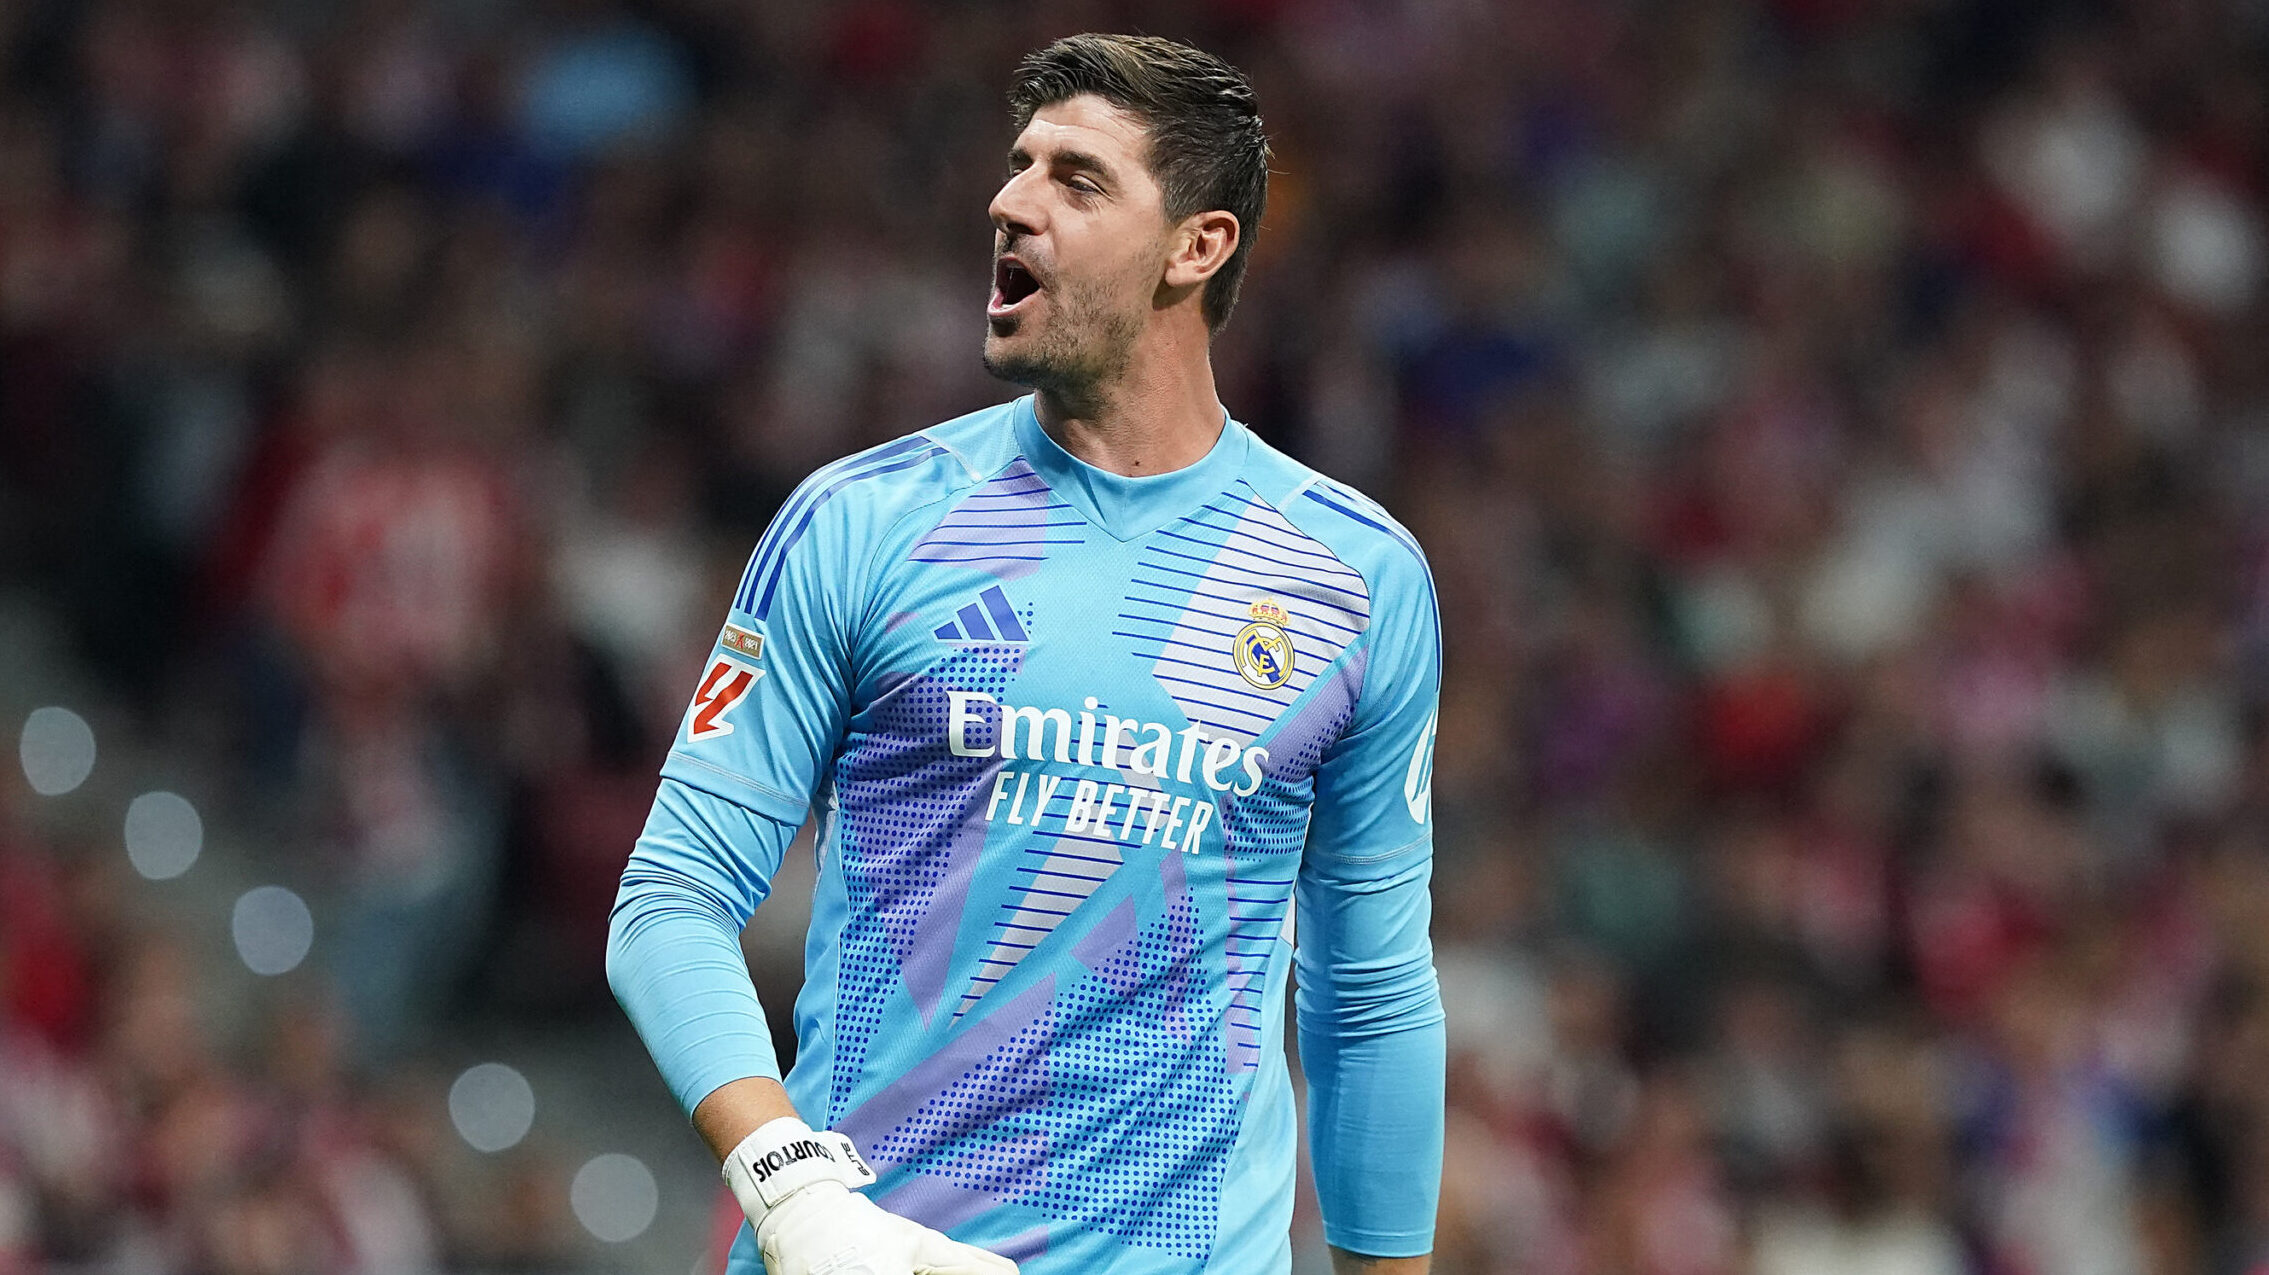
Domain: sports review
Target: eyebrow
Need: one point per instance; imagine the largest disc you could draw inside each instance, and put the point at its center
(1081, 160)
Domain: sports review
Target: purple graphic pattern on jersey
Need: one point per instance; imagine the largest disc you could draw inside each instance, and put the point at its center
(1262, 841)
(1198, 587)
(1060, 874)
(904, 801)
(1005, 527)
(1144, 1126)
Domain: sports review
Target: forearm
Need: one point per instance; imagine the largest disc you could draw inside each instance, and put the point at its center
(673, 945)
(1373, 1048)
(1375, 1137)
(738, 1108)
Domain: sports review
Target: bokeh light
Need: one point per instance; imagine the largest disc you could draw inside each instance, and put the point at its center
(58, 750)
(164, 835)
(273, 929)
(492, 1106)
(614, 1197)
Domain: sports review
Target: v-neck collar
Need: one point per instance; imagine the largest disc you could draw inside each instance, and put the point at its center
(1128, 507)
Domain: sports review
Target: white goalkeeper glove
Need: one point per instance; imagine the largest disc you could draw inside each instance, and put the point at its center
(796, 1187)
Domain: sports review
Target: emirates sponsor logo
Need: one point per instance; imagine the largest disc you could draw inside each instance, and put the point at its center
(980, 725)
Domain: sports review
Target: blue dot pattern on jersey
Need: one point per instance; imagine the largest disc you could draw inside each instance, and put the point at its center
(1011, 1082)
(903, 799)
(1128, 1143)
(1144, 1128)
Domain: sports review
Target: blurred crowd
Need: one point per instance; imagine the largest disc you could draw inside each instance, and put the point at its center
(1840, 429)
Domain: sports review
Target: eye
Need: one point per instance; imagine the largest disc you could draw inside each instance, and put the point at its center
(1084, 186)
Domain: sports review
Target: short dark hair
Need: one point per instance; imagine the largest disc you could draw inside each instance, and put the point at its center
(1207, 149)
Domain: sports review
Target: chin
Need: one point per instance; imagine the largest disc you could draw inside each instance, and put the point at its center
(1011, 360)
(1044, 359)
(1007, 367)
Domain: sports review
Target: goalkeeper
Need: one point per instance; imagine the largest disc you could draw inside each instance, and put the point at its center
(1093, 694)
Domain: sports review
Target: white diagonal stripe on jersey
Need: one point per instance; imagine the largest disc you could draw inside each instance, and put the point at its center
(1060, 876)
(1216, 564)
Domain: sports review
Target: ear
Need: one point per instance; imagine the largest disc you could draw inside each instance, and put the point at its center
(1201, 245)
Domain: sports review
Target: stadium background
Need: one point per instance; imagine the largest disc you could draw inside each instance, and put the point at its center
(1840, 429)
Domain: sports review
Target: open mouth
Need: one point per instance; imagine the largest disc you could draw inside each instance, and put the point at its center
(1012, 284)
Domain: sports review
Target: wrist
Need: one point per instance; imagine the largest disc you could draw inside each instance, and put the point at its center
(785, 1157)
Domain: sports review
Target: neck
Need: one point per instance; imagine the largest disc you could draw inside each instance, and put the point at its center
(1159, 414)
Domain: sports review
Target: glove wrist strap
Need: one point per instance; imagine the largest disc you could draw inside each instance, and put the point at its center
(783, 1157)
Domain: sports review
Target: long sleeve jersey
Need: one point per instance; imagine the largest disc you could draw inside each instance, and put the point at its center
(1081, 748)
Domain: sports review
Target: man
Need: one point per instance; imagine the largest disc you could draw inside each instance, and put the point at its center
(1085, 690)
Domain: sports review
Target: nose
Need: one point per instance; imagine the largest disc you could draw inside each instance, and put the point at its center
(1016, 208)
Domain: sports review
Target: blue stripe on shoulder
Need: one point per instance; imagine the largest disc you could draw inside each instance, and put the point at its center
(1401, 537)
(766, 560)
(1397, 534)
(803, 521)
(768, 546)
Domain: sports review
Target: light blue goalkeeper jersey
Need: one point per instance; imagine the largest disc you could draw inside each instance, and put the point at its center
(1076, 743)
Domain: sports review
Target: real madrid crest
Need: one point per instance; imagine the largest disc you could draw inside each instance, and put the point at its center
(1262, 650)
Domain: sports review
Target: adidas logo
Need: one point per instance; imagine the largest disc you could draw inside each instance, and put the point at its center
(989, 619)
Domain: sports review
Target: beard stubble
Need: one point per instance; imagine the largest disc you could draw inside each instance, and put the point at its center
(1086, 345)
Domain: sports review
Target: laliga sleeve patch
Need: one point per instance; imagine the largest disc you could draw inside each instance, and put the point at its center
(747, 642)
(722, 688)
